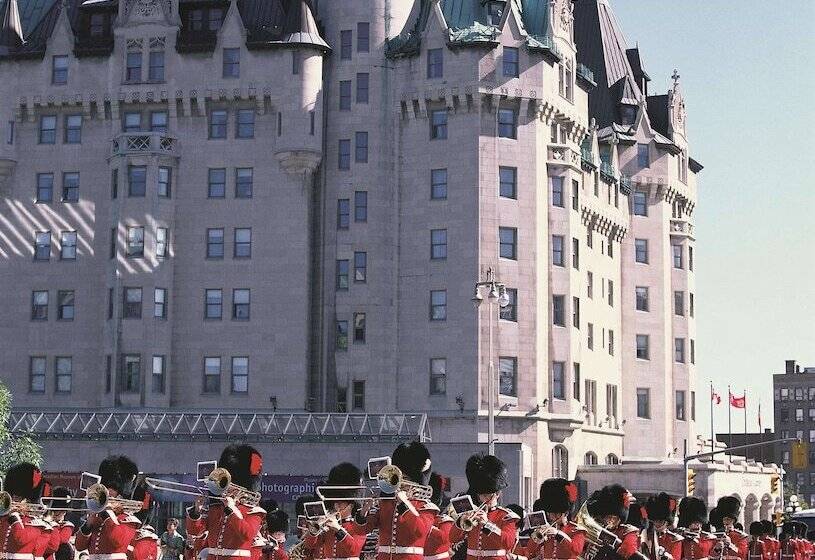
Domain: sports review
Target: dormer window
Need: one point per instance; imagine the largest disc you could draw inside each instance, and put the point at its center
(205, 19)
(495, 10)
(98, 25)
(628, 114)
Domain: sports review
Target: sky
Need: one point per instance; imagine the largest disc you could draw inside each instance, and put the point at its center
(749, 86)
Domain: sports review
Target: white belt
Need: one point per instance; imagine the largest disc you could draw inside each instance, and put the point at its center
(441, 556)
(39, 558)
(237, 552)
(347, 558)
(16, 556)
(114, 556)
(489, 553)
(400, 550)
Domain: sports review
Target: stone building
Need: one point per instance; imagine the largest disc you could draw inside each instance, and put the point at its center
(283, 205)
(794, 416)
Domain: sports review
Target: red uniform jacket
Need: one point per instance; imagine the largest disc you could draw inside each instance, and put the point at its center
(107, 534)
(402, 536)
(48, 541)
(272, 550)
(630, 536)
(228, 536)
(775, 548)
(63, 531)
(741, 541)
(18, 535)
(563, 549)
(700, 549)
(482, 543)
(144, 545)
(758, 549)
(672, 543)
(437, 546)
(328, 545)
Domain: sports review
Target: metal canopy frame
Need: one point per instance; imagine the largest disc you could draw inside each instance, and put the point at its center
(165, 425)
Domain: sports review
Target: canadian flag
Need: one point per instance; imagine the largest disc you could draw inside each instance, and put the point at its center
(737, 402)
(715, 397)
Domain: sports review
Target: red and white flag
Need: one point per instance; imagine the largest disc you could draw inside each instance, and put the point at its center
(738, 402)
(715, 397)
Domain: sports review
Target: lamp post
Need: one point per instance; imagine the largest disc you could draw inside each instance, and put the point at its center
(496, 292)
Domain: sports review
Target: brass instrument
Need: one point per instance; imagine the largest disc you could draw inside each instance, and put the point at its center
(391, 475)
(298, 551)
(8, 505)
(64, 504)
(468, 521)
(98, 499)
(597, 536)
(321, 493)
(218, 485)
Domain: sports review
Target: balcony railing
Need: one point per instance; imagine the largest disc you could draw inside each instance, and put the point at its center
(608, 172)
(563, 155)
(585, 72)
(587, 157)
(144, 143)
(625, 184)
(681, 227)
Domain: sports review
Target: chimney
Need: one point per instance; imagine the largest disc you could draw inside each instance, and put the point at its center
(790, 366)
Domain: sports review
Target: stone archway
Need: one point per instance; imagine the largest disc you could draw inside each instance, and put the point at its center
(765, 510)
(750, 510)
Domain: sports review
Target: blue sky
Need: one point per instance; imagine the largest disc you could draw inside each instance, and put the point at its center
(747, 76)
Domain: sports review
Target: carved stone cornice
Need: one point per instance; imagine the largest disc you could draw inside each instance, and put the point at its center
(298, 162)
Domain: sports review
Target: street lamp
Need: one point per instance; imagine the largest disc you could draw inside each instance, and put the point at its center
(496, 292)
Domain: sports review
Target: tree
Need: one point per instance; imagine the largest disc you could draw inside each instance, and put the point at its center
(14, 448)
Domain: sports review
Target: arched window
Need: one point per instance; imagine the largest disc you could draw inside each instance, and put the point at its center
(612, 459)
(560, 462)
(590, 458)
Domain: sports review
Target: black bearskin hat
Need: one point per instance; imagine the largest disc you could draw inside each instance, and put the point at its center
(277, 521)
(661, 507)
(439, 485)
(557, 495)
(141, 494)
(538, 505)
(767, 527)
(610, 500)
(788, 529)
(413, 459)
(520, 512)
(344, 474)
(637, 516)
(692, 510)
(244, 463)
(486, 474)
(119, 473)
(24, 481)
(62, 492)
(728, 506)
(756, 529)
(715, 519)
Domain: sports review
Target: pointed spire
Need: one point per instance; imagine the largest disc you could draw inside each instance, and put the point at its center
(301, 28)
(11, 30)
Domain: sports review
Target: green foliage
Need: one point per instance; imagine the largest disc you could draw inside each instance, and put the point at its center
(14, 448)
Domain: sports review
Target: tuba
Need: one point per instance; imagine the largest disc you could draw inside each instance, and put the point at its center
(8, 505)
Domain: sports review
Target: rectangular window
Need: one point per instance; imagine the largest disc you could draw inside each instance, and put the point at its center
(132, 303)
(244, 181)
(679, 303)
(240, 374)
(643, 403)
(67, 249)
(70, 187)
(363, 36)
(438, 305)
(42, 246)
(36, 374)
(212, 374)
(361, 206)
(641, 251)
(590, 284)
(133, 67)
(576, 382)
(558, 311)
(114, 184)
(215, 18)
(677, 256)
(59, 70)
(342, 399)
(136, 180)
(510, 311)
(358, 395)
(507, 243)
(438, 376)
(343, 213)
(157, 377)
(39, 306)
(10, 137)
(558, 380)
(360, 267)
(438, 124)
(110, 303)
(48, 129)
(611, 401)
(213, 304)
(280, 124)
(131, 122)
(135, 241)
(680, 405)
(295, 62)
(45, 187)
(64, 369)
(345, 95)
(691, 304)
(641, 293)
(361, 147)
(576, 312)
(217, 124)
(690, 258)
(344, 155)
(679, 350)
(692, 351)
(242, 248)
(590, 336)
(73, 129)
(643, 351)
(438, 244)
(611, 293)
(160, 303)
(342, 335)
(438, 184)
(435, 63)
(346, 42)
(156, 70)
(165, 182)
(557, 250)
(359, 328)
(245, 123)
(216, 183)
(507, 123)
(557, 192)
(642, 156)
(693, 406)
(510, 62)
(215, 243)
(362, 87)
(640, 199)
(240, 304)
(508, 182)
(113, 236)
(575, 253)
(342, 274)
(232, 63)
(575, 195)
(311, 125)
(161, 242)
(508, 376)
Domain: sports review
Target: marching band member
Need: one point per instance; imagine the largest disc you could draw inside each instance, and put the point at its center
(661, 510)
(277, 524)
(610, 507)
(757, 549)
(437, 546)
(403, 530)
(729, 507)
(107, 534)
(768, 531)
(520, 549)
(302, 550)
(231, 525)
(494, 531)
(692, 516)
(63, 528)
(561, 539)
(19, 535)
(145, 543)
(340, 537)
(789, 549)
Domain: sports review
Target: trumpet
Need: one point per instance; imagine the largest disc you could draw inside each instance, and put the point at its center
(8, 505)
(98, 499)
(318, 525)
(468, 521)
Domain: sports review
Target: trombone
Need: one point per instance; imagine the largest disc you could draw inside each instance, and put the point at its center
(8, 505)
(98, 499)
(321, 493)
(67, 503)
(218, 485)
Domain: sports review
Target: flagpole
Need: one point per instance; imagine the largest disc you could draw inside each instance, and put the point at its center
(760, 431)
(729, 427)
(745, 415)
(712, 433)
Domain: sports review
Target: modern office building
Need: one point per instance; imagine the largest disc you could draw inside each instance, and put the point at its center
(794, 416)
(282, 205)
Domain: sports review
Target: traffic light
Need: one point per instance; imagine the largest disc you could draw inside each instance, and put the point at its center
(690, 486)
(800, 455)
(775, 480)
(778, 518)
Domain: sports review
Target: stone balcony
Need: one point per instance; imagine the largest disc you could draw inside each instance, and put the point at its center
(681, 227)
(608, 172)
(561, 154)
(144, 143)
